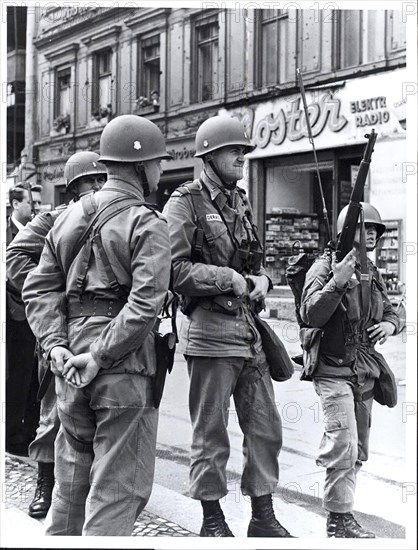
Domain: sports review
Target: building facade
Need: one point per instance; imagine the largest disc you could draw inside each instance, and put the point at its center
(180, 66)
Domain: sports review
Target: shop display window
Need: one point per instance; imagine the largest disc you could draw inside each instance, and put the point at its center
(388, 253)
(292, 221)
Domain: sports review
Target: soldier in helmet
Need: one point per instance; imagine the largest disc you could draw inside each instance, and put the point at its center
(350, 317)
(83, 174)
(93, 304)
(216, 251)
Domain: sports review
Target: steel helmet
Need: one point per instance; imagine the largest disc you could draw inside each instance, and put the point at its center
(371, 215)
(220, 131)
(131, 138)
(84, 163)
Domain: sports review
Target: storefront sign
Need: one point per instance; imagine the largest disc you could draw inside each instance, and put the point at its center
(339, 116)
(181, 153)
(291, 124)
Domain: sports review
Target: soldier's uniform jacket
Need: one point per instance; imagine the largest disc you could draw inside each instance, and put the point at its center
(24, 253)
(345, 347)
(136, 243)
(211, 330)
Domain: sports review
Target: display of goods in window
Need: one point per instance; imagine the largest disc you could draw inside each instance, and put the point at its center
(284, 226)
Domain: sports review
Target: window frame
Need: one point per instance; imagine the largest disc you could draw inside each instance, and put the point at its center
(97, 75)
(196, 91)
(59, 74)
(258, 58)
(141, 73)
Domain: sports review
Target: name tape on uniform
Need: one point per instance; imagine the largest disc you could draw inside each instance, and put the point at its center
(213, 218)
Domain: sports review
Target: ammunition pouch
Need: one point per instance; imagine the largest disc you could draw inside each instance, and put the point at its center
(311, 343)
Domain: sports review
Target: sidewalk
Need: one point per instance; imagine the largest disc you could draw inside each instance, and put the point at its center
(18, 491)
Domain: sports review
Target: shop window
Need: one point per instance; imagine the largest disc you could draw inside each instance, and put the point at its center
(149, 70)
(360, 37)
(205, 58)
(271, 29)
(102, 83)
(294, 214)
(388, 255)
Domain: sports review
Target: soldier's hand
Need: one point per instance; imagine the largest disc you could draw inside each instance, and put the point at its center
(80, 370)
(260, 286)
(343, 270)
(381, 331)
(239, 285)
(59, 356)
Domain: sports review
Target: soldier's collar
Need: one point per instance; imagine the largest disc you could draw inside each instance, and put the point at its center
(216, 190)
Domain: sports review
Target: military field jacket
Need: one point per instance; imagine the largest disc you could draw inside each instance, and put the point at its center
(136, 242)
(207, 331)
(321, 298)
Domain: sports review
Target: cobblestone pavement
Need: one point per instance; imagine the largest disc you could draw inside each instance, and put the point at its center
(19, 488)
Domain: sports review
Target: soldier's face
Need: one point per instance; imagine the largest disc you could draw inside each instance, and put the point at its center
(90, 183)
(153, 172)
(371, 236)
(229, 162)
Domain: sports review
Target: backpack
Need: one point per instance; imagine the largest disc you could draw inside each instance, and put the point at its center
(298, 266)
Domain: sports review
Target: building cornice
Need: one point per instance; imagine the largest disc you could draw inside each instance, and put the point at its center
(109, 32)
(146, 17)
(62, 51)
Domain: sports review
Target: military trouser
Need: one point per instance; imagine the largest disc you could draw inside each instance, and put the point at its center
(345, 443)
(104, 455)
(42, 447)
(212, 382)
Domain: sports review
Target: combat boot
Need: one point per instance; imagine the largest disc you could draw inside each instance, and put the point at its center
(41, 502)
(263, 522)
(214, 524)
(344, 526)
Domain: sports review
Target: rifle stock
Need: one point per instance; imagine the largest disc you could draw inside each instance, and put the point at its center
(346, 239)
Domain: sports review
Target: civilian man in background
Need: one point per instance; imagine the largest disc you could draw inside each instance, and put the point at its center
(22, 409)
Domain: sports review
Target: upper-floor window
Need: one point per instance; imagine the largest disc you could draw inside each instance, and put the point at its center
(205, 58)
(63, 91)
(149, 70)
(360, 37)
(397, 30)
(102, 80)
(270, 27)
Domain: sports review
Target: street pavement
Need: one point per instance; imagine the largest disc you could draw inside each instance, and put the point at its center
(386, 490)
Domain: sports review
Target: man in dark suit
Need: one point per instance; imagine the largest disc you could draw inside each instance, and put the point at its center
(22, 410)
(21, 208)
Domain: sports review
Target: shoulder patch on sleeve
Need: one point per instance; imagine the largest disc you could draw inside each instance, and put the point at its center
(180, 192)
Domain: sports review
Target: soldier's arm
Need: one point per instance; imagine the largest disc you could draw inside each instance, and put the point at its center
(389, 314)
(150, 264)
(191, 279)
(45, 299)
(24, 252)
(321, 296)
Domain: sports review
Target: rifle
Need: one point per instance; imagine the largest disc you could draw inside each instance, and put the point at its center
(311, 141)
(346, 238)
